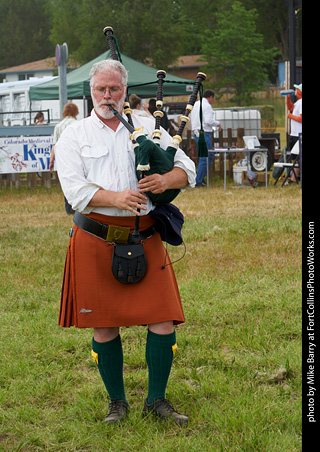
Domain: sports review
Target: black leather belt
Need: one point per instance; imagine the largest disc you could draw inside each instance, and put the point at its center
(101, 230)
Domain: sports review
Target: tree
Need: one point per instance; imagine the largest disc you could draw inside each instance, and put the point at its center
(235, 53)
(273, 23)
(146, 30)
(197, 16)
(65, 23)
(24, 32)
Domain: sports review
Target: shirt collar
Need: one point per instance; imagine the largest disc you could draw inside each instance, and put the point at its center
(101, 124)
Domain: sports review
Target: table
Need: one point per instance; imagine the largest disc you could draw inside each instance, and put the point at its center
(228, 150)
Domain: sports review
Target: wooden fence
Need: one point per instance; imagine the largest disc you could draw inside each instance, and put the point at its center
(228, 141)
(29, 180)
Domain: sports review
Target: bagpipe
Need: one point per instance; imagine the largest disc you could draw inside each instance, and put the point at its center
(150, 158)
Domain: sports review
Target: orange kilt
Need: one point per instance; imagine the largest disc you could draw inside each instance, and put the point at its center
(91, 297)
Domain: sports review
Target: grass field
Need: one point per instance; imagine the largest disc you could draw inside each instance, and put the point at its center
(237, 372)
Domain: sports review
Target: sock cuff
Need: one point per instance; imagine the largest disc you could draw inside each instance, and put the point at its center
(161, 340)
(107, 348)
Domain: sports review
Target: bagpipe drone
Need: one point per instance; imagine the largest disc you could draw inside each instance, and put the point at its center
(150, 158)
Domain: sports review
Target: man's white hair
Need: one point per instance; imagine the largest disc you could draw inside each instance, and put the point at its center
(107, 65)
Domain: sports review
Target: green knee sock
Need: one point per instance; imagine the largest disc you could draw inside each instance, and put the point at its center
(159, 357)
(109, 357)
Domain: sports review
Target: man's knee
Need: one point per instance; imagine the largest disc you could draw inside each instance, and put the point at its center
(162, 328)
(105, 334)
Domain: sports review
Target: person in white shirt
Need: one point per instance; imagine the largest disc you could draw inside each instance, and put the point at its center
(137, 107)
(295, 116)
(96, 168)
(208, 122)
(70, 113)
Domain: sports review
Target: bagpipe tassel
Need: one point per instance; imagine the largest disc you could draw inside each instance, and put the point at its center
(202, 148)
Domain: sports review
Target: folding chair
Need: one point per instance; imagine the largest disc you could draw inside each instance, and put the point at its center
(295, 155)
(277, 171)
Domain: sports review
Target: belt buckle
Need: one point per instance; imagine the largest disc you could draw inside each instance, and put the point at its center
(118, 234)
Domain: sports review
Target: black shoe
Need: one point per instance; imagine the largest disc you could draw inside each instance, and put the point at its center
(163, 409)
(118, 410)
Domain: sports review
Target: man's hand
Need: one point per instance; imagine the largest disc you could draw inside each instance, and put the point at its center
(156, 183)
(51, 163)
(131, 200)
(125, 200)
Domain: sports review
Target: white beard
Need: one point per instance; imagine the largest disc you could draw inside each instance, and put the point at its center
(104, 111)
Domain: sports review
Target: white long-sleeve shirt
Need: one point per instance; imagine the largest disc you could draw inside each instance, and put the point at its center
(208, 120)
(296, 127)
(59, 128)
(91, 156)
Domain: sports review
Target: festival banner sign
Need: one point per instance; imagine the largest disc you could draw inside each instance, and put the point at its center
(25, 154)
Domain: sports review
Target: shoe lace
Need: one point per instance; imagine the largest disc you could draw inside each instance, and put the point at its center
(115, 407)
(167, 404)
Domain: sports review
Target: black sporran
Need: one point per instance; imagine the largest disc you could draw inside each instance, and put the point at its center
(129, 263)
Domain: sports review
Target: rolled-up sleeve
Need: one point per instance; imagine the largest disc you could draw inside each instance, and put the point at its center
(76, 188)
(181, 160)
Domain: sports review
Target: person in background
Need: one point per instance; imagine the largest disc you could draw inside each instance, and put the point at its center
(70, 113)
(295, 116)
(39, 118)
(137, 107)
(208, 122)
(96, 168)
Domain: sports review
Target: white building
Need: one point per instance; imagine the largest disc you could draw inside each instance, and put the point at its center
(14, 93)
(38, 69)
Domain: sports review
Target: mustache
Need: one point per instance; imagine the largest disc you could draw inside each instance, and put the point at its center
(104, 102)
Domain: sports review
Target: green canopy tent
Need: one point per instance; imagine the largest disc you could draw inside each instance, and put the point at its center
(139, 74)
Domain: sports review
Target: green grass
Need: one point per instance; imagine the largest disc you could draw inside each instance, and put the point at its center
(237, 372)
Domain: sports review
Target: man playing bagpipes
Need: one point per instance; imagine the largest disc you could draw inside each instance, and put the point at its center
(103, 288)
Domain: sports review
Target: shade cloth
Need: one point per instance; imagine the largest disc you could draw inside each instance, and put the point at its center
(139, 73)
